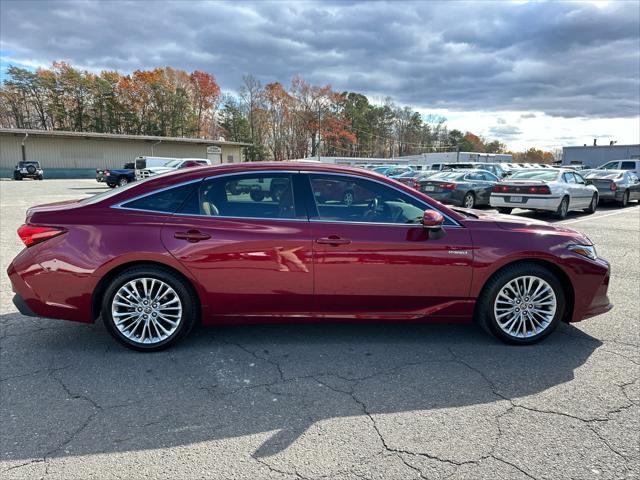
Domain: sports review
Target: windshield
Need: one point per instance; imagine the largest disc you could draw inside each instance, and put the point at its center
(546, 175)
(449, 175)
(172, 163)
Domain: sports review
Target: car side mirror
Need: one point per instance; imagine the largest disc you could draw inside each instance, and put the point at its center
(432, 220)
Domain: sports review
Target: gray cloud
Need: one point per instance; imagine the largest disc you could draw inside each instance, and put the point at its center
(564, 59)
(506, 132)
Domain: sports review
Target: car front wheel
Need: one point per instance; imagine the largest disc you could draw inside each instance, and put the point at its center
(148, 308)
(522, 304)
(122, 181)
(469, 200)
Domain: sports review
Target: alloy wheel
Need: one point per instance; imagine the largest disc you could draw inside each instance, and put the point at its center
(469, 200)
(525, 306)
(146, 310)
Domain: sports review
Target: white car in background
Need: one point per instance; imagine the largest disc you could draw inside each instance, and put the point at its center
(171, 165)
(557, 190)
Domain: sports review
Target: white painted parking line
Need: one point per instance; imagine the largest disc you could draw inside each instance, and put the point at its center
(626, 210)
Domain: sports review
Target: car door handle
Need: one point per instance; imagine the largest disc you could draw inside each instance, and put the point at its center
(192, 236)
(333, 240)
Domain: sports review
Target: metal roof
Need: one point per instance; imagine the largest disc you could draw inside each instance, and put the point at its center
(116, 136)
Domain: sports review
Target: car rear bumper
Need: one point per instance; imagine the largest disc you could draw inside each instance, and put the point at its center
(549, 203)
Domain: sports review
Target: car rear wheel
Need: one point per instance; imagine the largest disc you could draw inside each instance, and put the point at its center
(625, 199)
(148, 308)
(505, 210)
(522, 304)
(593, 206)
(563, 208)
(122, 181)
(469, 200)
(17, 176)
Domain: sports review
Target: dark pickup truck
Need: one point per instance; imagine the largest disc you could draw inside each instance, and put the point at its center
(117, 177)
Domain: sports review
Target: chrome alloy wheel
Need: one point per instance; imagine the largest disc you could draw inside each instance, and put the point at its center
(525, 306)
(146, 310)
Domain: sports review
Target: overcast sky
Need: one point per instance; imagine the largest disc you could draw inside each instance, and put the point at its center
(532, 74)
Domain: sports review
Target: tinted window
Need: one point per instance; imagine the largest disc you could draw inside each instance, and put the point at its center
(628, 166)
(350, 199)
(166, 201)
(244, 196)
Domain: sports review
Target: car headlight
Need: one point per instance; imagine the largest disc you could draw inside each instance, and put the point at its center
(588, 251)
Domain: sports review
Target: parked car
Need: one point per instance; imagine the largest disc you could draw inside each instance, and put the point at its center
(175, 250)
(397, 171)
(172, 165)
(412, 179)
(495, 168)
(465, 188)
(119, 177)
(28, 169)
(553, 190)
(632, 165)
(621, 186)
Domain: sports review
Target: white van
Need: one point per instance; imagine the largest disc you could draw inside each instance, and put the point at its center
(630, 165)
(149, 166)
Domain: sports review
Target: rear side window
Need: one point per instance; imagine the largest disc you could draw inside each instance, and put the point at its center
(628, 166)
(164, 201)
(259, 195)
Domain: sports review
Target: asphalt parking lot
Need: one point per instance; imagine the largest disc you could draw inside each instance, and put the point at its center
(323, 401)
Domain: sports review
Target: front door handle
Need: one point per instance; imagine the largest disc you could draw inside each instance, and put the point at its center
(192, 236)
(333, 240)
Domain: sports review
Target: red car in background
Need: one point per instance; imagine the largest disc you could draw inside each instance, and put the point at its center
(157, 256)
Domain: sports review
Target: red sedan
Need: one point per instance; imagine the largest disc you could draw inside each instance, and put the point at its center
(157, 256)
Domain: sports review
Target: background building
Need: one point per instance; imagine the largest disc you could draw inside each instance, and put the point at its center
(595, 155)
(78, 154)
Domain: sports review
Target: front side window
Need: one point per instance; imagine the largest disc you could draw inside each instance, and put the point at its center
(610, 166)
(351, 199)
(259, 195)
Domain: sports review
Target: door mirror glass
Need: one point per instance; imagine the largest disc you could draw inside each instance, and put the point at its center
(432, 219)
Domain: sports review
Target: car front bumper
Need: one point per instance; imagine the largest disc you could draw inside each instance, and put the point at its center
(531, 202)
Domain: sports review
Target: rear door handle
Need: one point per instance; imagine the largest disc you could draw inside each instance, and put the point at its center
(333, 240)
(192, 236)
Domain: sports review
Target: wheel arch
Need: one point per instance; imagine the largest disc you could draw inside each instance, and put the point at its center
(103, 283)
(562, 276)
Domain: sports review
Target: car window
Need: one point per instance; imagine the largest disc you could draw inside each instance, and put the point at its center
(579, 178)
(474, 176)
(164, 201)
(545, 175)
(610, 166)
(351, 199)
(489, 177)
(256, 195)
(628, 166)
(568, 177)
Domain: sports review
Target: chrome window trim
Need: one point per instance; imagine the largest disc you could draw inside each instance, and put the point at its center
(120, 206)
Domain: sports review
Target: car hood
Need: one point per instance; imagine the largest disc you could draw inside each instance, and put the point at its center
(522, 224)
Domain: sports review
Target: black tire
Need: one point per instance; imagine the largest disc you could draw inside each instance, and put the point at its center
(188, 299)
(111, 185)
(484, 312)
(17, 176)
(256, 195)
(625, 199)
(505, 210)
(122, 181)
(31, 170)
(563, 208)
(40, 177)
(469, 200)
(593, 206)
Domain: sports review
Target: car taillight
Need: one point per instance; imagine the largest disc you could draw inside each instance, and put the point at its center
(613, 186)
(32, 235)
(542, 189)
(500, 189)
(107, 173)
(449, 186)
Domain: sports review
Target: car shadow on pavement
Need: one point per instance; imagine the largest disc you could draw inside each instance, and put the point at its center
(69, 389)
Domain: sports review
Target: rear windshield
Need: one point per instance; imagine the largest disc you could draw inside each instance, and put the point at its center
(604, 174)
(545, 175)
(449, 175)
